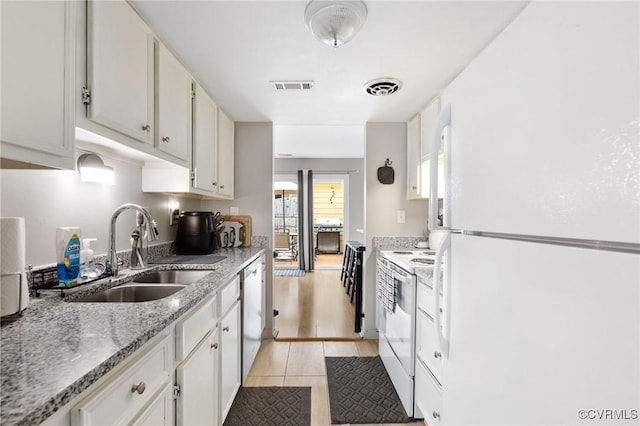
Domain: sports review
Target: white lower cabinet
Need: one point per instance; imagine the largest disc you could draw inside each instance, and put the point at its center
(230, 355)
(133, 392)
(428, 363)
(428, 394)
(197, 378)
(159, 411)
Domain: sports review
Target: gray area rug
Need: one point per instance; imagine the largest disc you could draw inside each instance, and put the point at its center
(360, 391)
(288, 273)
(273, 406)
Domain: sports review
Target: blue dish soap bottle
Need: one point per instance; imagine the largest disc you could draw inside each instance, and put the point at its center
(68, 255)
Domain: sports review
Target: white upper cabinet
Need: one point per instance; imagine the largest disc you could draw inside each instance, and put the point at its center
(428, 119)
(38, 77)
(205, 135)
(173, 105)
(419, 134)
(120, 69)
(226, 129)
(413, 158)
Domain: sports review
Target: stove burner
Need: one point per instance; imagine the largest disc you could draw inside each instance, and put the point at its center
(423, 261)
(402, 252)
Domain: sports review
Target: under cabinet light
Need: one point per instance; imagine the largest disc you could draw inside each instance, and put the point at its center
(92, 169)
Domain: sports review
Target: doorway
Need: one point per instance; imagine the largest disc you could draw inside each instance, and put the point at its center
(312, 303)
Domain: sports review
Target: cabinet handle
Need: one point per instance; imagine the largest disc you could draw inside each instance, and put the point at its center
(437, 355)
(414, 187)
(221, 186)
(140, 387)
(225, 329)
(166, 139)
(435, 415)
(146, 127)
(214, 183)
(214, 345)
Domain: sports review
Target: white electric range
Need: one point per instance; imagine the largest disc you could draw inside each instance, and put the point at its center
(396, 291)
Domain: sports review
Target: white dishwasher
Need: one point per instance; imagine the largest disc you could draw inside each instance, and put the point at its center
(252, 316)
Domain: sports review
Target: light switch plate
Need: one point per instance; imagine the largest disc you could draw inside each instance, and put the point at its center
(401, 216)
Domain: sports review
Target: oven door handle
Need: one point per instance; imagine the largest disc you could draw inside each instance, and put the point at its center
(442, 330)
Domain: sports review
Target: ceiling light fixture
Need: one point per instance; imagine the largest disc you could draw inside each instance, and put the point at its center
(92, 169)
(335, 22)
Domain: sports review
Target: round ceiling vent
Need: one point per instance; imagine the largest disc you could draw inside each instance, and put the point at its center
(382, 86)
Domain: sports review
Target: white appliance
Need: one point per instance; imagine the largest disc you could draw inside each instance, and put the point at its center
(396, 313)
(541, 235)
(252, 313)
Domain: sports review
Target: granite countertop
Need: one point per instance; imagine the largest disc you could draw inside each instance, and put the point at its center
(57, 349)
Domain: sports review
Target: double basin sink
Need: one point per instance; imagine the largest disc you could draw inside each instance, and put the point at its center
(152, 285)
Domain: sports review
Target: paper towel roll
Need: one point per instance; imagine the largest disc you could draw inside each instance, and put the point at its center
(14, 289)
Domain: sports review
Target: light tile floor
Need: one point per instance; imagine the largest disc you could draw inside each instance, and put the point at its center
(302, 364)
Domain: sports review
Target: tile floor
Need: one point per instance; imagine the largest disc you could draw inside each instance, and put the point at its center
(302, 364)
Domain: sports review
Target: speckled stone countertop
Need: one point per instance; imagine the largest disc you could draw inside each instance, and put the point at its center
(57, 349)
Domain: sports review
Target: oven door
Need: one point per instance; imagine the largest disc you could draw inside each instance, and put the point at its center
(399, 326)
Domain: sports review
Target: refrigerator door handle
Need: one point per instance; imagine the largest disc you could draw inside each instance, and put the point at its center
(444, 120)
(442, 329)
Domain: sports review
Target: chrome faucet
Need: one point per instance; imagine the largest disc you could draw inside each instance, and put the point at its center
(113, 264)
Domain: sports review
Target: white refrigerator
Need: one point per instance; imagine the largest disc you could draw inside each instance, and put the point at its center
(541, 235)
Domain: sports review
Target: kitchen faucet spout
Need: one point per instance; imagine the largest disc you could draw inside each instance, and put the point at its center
(113, 264)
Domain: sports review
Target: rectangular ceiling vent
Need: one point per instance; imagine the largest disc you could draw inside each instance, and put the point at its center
(292, 85)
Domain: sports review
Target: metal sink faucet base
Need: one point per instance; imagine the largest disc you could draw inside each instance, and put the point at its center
(112, 264)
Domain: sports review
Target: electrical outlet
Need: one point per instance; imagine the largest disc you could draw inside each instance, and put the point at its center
(234, 211)
(400, 216)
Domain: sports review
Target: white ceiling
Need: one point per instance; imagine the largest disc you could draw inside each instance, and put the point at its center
(235, 48)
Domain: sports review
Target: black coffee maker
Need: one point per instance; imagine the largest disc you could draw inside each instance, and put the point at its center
(196, 234)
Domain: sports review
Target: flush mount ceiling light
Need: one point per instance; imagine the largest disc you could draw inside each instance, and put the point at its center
(92, 169)
(335, 22)
(382, 86)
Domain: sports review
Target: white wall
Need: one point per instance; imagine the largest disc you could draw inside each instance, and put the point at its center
(253, 189)
(386, 140)
(355, 167)
(48, 199)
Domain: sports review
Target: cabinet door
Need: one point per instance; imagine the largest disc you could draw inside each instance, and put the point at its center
(198, 381)
(229, 359)
(120, 69)
(225, 154)
(38, 72)
(204, 141)
(160, 410)
(174, 105)
(428, 119)
(413, 158)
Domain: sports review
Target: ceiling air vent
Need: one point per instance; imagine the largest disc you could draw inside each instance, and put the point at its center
(382, 86)
(292, 85)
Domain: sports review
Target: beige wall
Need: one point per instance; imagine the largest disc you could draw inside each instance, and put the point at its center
(386, 140)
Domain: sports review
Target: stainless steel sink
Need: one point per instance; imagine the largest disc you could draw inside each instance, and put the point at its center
(152, 285)
(171, 276)
(132, 293)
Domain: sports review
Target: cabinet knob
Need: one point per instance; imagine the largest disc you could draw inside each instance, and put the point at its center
(435, 415)
(146, 127)
(225, 329)
(437, 355)
(221, 186)
(214, 345)
(414, 187)
(214, 183)
(166, 139)
(140, 387)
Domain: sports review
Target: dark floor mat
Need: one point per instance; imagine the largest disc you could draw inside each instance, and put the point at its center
(360, 391)
(276, 406)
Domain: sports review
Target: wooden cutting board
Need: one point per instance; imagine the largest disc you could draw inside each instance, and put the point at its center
(245, 222)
